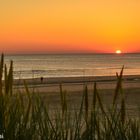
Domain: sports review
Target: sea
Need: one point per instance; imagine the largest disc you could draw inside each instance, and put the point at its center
(72, 65)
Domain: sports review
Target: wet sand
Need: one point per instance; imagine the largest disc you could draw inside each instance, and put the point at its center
(76, 83)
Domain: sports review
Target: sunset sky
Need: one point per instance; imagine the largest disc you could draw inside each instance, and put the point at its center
(58, 26)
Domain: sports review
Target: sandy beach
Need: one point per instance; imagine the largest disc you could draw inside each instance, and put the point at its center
(49, 89)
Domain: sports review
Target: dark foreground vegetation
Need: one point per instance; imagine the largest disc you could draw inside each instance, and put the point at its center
(25, 116)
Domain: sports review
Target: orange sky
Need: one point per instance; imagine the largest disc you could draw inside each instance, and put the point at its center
(69, 26)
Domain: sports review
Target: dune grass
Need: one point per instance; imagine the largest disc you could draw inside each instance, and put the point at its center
(26, 116)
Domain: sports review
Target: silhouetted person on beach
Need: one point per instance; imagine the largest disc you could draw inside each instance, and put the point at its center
(41, 79)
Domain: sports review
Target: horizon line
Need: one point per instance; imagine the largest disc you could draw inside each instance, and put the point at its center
(66, 53)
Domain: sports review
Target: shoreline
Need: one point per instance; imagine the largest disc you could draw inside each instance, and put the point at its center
(81, 79)
(75, 84)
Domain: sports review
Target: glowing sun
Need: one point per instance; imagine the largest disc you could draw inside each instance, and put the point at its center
(118, 52)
